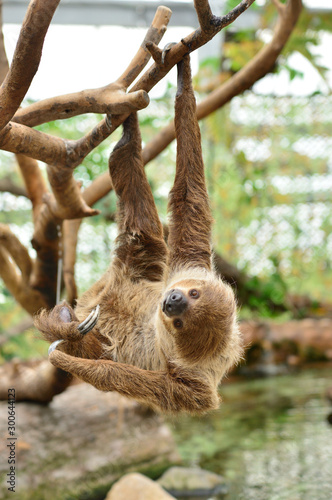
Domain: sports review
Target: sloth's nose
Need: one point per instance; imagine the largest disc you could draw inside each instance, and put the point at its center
(174, 303)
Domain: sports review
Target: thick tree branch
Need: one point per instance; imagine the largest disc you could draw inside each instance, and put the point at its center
(26, 57)
(111, 99)
(20, 139)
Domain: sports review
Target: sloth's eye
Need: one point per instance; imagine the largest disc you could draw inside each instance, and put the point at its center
(178, 323)
(194, 293)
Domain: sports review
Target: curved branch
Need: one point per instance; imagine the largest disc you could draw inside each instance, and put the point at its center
(31, 300)
(8, 186)
(111, 99)
(16, 250)
(20, 139)
(256, 69)
(66, 201)
(33, 180)
(26, 58)
(154, 35)
(190, 43)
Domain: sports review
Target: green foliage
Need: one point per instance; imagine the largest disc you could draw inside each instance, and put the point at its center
(268, 175)
(242, 45)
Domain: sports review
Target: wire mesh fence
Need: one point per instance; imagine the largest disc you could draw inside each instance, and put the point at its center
(279, 169)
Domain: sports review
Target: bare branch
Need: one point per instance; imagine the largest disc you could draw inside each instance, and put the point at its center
(111, 99)
(34, 181)
(66, 201)
(18, 138)
(16, 250)
(26, 57)
(31, 300)
(204, 14)
(8, 186)
(256, 69)
(279, 6)
(155, 51)
(154, 35)
(188, 44)
(70, 233)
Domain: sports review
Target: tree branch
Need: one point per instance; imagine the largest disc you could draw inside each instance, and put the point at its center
(26, 57)
(256, 69)
(8, 186)
(14, 256)
(66, 201)
(33, 180)
(16, 250)
(70, 236)
(111, 99)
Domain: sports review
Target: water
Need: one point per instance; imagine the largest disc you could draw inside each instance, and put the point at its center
(270, 439)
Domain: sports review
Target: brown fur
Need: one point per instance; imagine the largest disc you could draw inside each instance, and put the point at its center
(169, 363)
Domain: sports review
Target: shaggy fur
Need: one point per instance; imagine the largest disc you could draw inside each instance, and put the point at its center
(172, 363)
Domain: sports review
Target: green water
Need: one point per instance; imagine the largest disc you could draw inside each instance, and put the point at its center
(270, 439)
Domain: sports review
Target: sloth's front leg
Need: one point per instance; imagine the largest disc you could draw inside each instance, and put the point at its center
(173, 390)
(61, 327)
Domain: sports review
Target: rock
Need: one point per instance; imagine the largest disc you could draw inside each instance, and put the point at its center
(78, 445)
(182, 481)
(137, 487)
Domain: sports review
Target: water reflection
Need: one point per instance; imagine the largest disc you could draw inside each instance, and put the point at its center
(270, 439)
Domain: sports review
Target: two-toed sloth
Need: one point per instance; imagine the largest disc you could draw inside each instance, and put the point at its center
(163, 326)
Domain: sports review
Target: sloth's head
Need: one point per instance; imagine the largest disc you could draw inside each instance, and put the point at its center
(200, 315)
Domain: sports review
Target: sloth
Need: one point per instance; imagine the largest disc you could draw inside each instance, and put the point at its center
(160, 324)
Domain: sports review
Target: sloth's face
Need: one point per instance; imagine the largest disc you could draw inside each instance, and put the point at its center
(199, 315)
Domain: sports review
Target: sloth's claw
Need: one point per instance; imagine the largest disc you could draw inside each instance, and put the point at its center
(89, 322)
(54, 345)
(166, 49)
